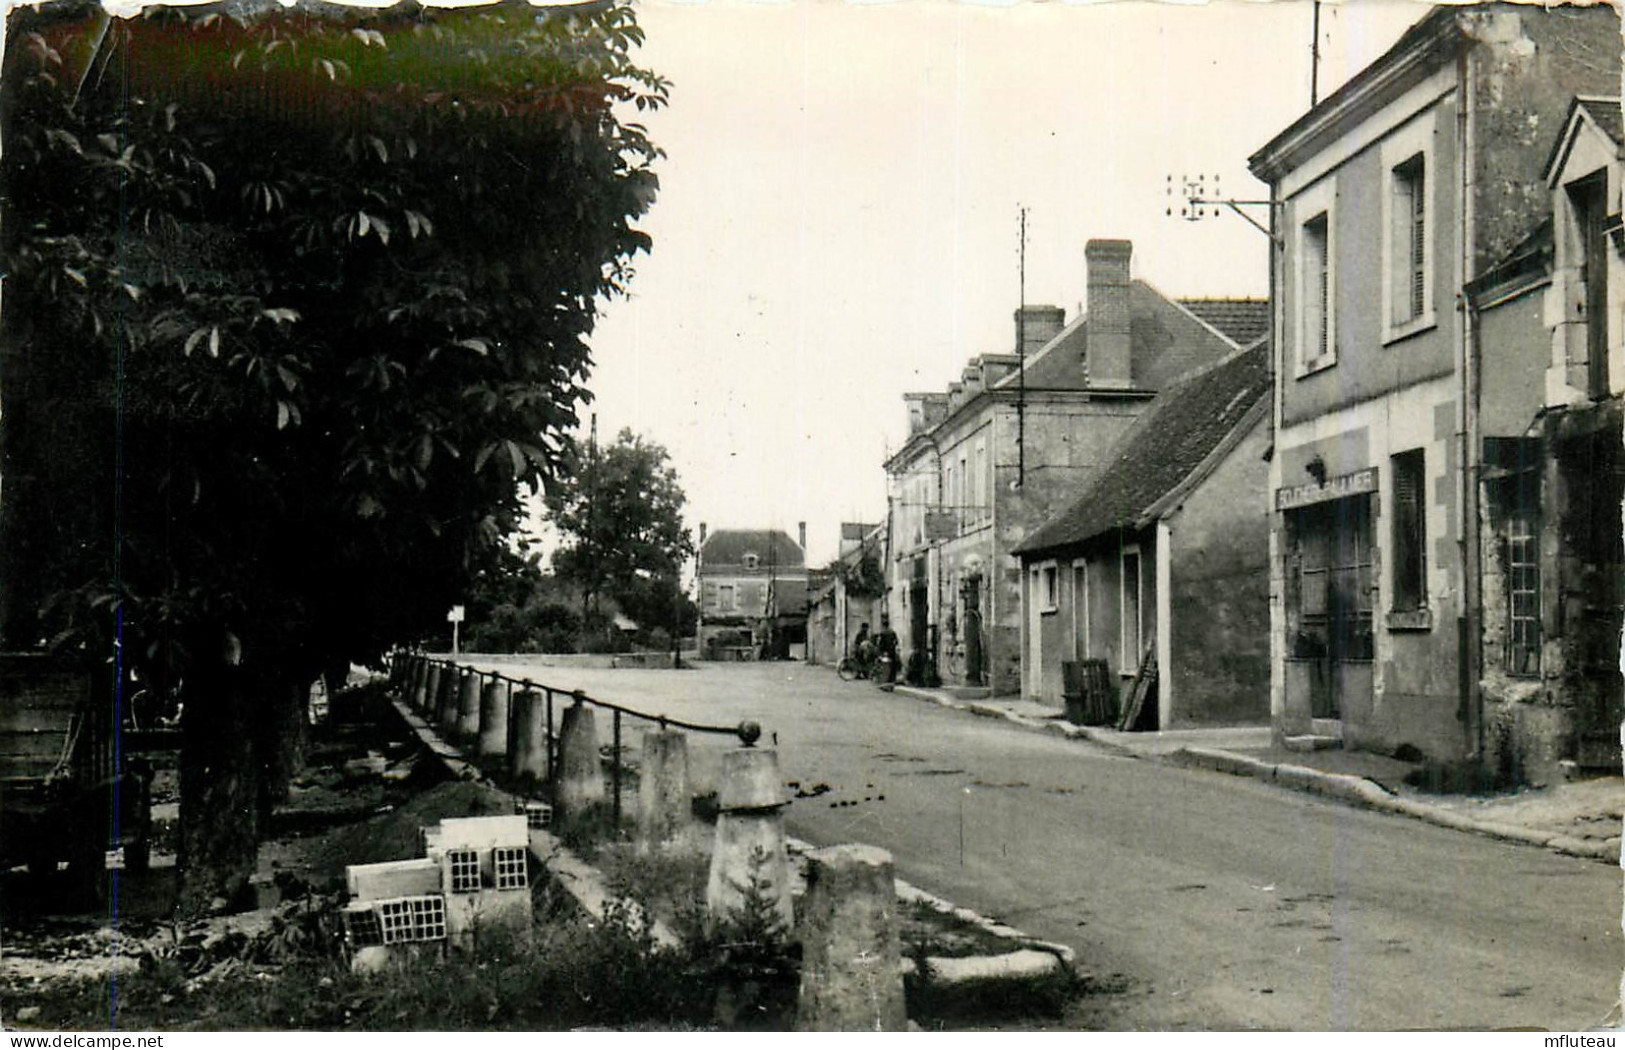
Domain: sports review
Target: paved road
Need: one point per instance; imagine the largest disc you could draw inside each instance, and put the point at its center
(1223, 902)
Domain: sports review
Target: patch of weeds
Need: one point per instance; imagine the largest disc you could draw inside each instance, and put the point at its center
(750, 959)
(588, 830)
(945, 935)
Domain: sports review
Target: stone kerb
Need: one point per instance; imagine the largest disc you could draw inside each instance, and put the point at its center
(580, 781)
(851, 978)
(493, 730)
(749, 855)
(665, 791)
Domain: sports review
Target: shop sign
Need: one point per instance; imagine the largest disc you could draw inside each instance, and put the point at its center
(1358, 483)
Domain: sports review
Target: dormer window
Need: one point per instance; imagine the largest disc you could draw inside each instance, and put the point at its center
(1588, 198)
(751, 561)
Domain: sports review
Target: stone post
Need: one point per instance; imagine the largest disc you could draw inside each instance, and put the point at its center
(850, 977)
(468, 707)
(451, 686)
(749, 856)
(494, 718)
(527, 736)
(431, 693)
(580, 783)
(665, 794)
(420, 679)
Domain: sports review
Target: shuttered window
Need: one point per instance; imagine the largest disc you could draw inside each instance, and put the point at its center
(1409, 530)
(1408, 260)
(1317, 320)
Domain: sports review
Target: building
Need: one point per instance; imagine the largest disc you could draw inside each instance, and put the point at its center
(753, 593)
(851, 593)
(1159, 569)
(1396, 200)
(1550, 485)
(1012, 442)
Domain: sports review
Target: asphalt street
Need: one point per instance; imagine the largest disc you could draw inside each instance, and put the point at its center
(1195, 899)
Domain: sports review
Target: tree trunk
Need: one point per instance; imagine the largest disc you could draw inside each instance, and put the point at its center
(221, 792)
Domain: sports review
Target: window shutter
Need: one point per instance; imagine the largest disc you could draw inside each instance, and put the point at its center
(1418, 243)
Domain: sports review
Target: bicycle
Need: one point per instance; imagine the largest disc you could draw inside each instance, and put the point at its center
(851, 667)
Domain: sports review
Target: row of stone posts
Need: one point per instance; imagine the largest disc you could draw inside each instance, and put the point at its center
(850, 974)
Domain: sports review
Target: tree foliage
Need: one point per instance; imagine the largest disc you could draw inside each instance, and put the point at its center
(297, 303)
(621, 514)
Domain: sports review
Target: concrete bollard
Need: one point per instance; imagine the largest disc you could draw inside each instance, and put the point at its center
(665, 795)
(451, 688)
(431, 693)
(420, 676)
(851, 980)
(468, 707)
(749, 855)
(580, 783)
(527, 736)
(494, 718)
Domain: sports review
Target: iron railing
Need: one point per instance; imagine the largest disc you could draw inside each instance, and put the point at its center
(748, 732)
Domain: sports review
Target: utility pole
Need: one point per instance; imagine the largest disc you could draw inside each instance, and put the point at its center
(1021, 348)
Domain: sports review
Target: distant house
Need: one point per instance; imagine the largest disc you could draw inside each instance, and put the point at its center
(1159, 569)
(849, 595)
(1012, 442)
(1445, 484)
(753, 592)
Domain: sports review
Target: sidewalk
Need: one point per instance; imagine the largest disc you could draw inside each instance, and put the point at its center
(1581, 818)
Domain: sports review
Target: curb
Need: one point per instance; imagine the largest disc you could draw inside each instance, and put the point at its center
(1359, 791)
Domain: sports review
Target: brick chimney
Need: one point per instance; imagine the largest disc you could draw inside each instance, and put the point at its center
(1109, 357)
(1036, 326)
(801, 530)
(702, 533)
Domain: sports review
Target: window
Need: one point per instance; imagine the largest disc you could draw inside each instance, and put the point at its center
(1409, 531)
(751, 561)
(1080, 609)
(1407, 228)
(1130, 612)
(1523, 593)
(979, 481)
(1407, 243)
(1589, 199)
(1050, 587)
(1315, 329)
(725, 597)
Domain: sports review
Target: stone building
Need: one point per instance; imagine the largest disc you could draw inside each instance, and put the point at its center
(753, 593)
(1013, 441)
(1397, 199)
(1159, 569)
(847, 595)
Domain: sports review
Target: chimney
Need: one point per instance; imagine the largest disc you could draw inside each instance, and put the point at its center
(1036, 326)
(702, 533)
(1109, 359)
(801, 530)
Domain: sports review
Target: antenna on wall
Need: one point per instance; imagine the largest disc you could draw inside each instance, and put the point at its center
(1314, 59)
(1021, 347)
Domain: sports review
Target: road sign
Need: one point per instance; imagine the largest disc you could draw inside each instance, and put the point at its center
(456, 614)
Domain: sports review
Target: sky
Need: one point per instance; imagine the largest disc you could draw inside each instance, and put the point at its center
(838, 213)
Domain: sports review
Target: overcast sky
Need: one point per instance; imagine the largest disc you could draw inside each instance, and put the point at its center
(837, 221)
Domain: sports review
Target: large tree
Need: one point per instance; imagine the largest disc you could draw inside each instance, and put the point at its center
(296, 304)
(620, 511)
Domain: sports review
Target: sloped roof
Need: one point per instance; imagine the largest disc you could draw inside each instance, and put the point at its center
(1169, 337)
(1173, 437)
(1242, 321)
(771, 546)
(1602, 113)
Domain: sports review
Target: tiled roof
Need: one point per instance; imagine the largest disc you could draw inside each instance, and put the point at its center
(1242, 321)
(1172, 437)
(772, 547)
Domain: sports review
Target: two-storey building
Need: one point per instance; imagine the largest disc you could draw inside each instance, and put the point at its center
(753, 592)
(1012, 442)
(1391, 198)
